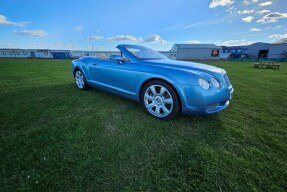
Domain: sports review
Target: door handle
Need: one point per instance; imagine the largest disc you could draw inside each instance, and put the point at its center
(95, 64)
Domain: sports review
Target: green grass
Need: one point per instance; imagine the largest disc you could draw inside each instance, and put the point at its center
(55, 137)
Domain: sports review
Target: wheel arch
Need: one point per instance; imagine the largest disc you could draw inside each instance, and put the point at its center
(75, 69)
(83, 70)
(159, 79)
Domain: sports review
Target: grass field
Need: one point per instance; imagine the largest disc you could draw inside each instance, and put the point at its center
(55, 137)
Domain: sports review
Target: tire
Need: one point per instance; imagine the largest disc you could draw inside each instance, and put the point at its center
(80, 80)
(160, 100)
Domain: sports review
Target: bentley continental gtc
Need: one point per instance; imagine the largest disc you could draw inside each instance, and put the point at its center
(164, 87)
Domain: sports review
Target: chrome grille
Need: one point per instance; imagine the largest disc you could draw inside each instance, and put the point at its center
(226, 79)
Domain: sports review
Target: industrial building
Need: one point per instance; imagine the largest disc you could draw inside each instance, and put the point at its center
(60, 54)
(252, 51)
(278, 50)
(100, 54)
(52, 54)
(196, 51)
(258, 50)
(35, 53)
(233, 52)
(15, 53)
(275, 51)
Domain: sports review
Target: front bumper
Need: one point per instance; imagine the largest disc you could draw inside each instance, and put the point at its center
(196, 100)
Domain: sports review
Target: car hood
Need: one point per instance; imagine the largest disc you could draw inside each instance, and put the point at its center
(184, 65)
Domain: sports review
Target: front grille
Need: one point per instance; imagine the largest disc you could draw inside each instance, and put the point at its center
(226, 79)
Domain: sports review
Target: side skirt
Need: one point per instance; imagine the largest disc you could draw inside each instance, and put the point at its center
(113, 90)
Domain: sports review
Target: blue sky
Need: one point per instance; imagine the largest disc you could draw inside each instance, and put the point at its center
(102, 24)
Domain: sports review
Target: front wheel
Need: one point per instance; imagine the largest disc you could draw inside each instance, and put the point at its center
(80, 80)
(160, 100)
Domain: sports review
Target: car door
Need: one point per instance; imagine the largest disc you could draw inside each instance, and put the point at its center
(113, 75)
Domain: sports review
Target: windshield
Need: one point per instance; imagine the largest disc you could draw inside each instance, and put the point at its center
(144, 53)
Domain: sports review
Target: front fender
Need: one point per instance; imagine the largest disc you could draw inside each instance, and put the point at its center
(83, 64)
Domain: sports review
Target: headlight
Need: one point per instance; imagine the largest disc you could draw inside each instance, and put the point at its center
(215, 83)
(203, 83)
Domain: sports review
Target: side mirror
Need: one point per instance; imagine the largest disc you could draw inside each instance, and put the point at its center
(117, 58)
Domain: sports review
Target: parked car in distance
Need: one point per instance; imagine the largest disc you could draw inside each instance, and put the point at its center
(164, 87)
(75, 57)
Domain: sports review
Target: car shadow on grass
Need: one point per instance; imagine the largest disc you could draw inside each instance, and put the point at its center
(63, 99)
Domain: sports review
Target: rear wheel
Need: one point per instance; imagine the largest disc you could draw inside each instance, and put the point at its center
(80, 80)
(160, 100)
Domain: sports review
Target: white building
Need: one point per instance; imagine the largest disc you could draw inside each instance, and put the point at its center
(35, 53)
(24, 53)
(41, 53)
(100, 54)
(14, 53)
(196, 51)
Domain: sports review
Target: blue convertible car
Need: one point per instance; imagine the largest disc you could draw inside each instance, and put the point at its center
(164, 87)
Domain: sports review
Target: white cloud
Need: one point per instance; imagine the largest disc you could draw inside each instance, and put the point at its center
(278, 27)
(149, 39)
(236, 42)
(247, 19)
(272, 17)
(56, 46)
(255, 29)
(194, 42)
(9, 45)
(94, 38)
(79, 28)
(33, 33)
(263, 11)
(40, 45)
(266, 3)
(278, 36)
(209, 22)
(66, 45)
(124, 38)
(266, 21)
(231, 9)
(92, 47)
(174, 27)
(248, 2)
(155, 39)
(5, 21)
(216, 3)
(276, 15)
(246, 11)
